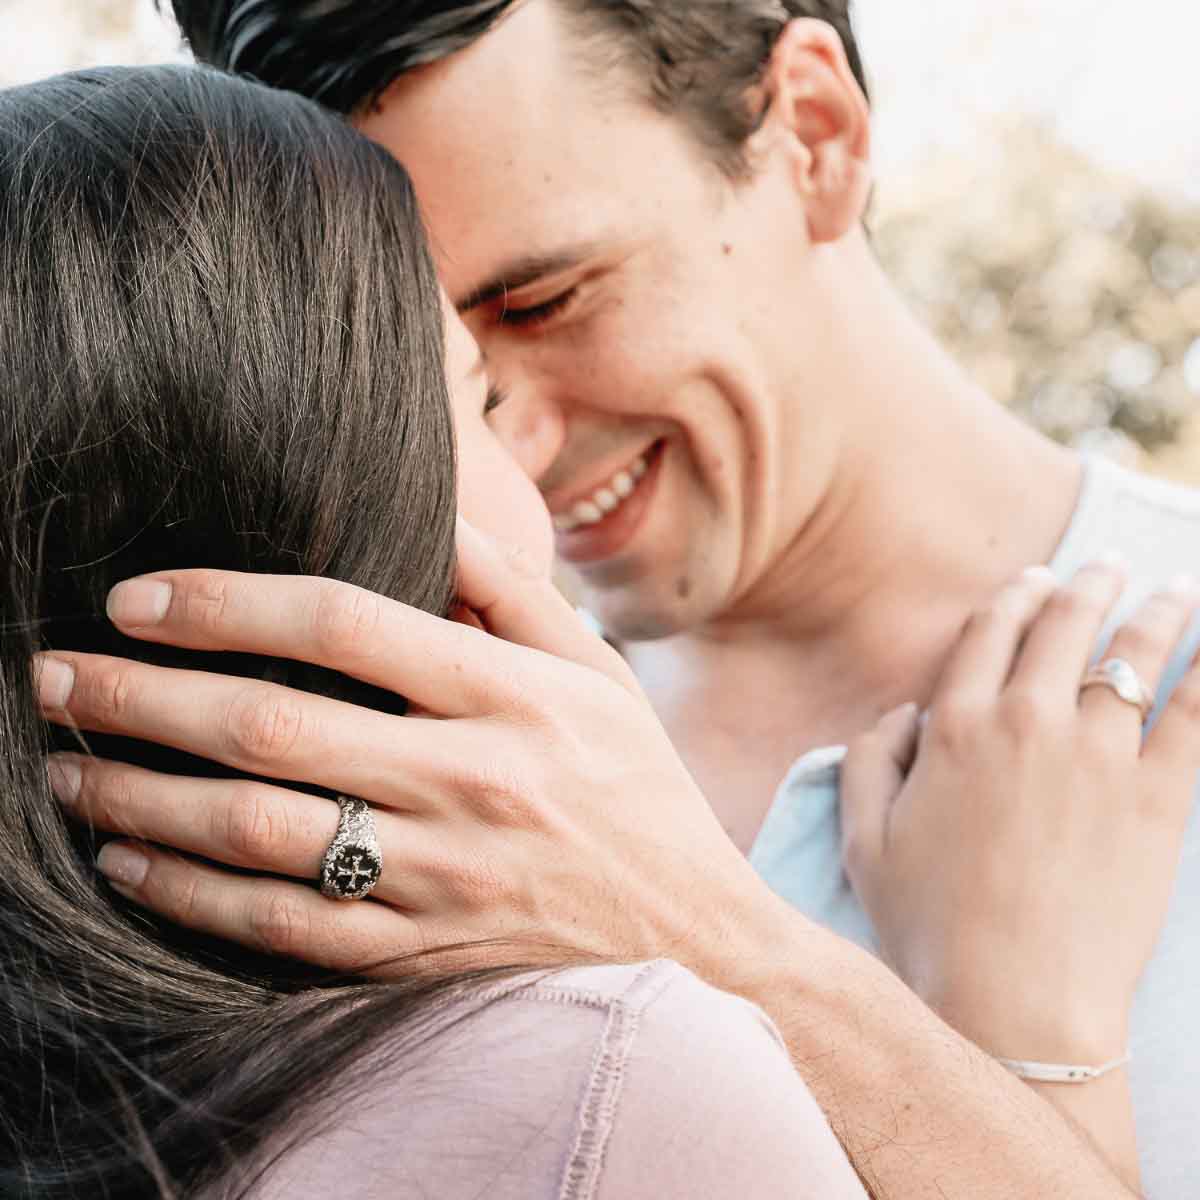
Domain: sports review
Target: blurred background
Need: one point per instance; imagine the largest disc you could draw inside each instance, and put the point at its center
(1039, 192)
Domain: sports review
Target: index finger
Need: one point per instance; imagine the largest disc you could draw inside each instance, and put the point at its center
(446, 668)
(980, 663)
(514, 600)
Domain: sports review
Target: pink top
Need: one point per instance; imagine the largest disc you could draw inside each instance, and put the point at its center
(597, 1083)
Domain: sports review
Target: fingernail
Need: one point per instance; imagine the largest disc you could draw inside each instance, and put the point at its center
(1038, 574)
(55, 681)
(66, 777)
(139, 602)
(1113, 559)
(123, 864)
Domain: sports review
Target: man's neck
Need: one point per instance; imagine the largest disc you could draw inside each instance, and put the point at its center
(943, 502)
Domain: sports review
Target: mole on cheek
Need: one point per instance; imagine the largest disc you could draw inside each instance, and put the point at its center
(683, 588)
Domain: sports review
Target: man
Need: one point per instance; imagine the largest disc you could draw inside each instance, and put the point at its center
(774, 488)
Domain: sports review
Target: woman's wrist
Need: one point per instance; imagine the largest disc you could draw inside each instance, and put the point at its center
(893, 1078)
(1050, 1032)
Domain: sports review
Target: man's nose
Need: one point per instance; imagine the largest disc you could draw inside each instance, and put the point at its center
(532, 427)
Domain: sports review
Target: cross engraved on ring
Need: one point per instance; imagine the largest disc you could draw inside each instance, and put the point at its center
(353, 873)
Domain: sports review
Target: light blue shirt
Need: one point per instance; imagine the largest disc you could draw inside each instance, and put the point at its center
(798, 850)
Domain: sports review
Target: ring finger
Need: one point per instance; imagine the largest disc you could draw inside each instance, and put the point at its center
(239, 822)
(1145, 642)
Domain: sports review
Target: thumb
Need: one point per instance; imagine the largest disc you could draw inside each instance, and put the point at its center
(873, 774)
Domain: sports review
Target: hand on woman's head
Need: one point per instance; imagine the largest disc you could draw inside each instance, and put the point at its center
(537, 801)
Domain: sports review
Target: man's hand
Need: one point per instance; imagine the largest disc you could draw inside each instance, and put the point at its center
(535, 799)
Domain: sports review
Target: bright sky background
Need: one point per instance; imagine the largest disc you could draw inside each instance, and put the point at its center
(1119, 80)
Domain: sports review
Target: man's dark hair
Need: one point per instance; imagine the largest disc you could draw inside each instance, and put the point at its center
(697, 58)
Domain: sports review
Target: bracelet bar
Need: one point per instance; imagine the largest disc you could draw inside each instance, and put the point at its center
(1038, 1072)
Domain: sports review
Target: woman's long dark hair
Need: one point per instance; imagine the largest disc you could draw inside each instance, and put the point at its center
(220, 345)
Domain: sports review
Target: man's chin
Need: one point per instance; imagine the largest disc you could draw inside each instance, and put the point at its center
(627, 618)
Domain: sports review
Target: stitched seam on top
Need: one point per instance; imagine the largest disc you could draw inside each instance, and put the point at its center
(605, 1080)
(600, 1104)
(570, 994)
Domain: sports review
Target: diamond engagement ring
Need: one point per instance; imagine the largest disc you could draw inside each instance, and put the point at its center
(353, 863)
(1120, 677)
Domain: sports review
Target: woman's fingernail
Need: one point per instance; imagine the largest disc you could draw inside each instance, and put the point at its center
(139, 602)
(55, 681)
(123, 864)
(1038, 574)
(66, 777)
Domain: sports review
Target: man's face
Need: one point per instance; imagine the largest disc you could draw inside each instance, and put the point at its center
(637, 308)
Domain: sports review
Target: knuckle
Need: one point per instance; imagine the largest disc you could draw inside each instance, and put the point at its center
(109, 800)
(474, 883)
(1140, 640)
(521, 562)
(1070, 605)
(205, 602)
(112, 693)
(499, 794)
(262, 726)
(954, 725)
(280, 925)
(256, 827)
(346, 620)
(1027, 713)
(180, 897)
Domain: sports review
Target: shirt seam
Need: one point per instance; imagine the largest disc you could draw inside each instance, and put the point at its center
(581, 997)
(601, 1099)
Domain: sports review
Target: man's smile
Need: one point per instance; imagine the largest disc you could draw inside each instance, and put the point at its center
(596, 522)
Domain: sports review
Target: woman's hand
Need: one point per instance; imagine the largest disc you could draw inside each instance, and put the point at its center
(1019, 874)
(535, 800)
(1017, 855)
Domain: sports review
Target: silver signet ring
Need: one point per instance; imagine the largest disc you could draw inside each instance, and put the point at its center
(353, 863)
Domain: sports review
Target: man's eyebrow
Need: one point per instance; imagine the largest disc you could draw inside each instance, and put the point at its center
(521, 272)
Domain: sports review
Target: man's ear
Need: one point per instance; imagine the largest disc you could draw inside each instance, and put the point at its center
(817, 114)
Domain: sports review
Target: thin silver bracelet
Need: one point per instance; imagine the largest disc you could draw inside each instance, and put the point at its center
(1040, 1072)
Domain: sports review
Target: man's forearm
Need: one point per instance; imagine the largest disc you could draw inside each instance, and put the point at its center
(920, 1110)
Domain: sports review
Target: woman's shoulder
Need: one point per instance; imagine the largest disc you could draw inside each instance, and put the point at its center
(634, 991)
(583, 1084)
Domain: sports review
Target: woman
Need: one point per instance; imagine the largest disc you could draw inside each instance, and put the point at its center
(221, 343)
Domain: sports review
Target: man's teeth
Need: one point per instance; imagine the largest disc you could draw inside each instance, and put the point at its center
(604, 500)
